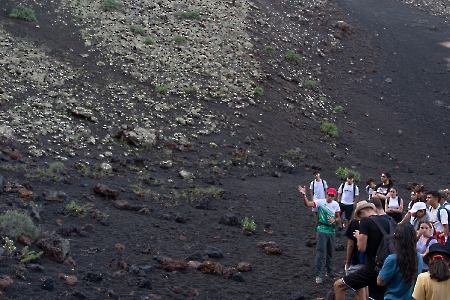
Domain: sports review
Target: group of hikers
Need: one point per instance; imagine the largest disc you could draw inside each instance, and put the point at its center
(417, 265)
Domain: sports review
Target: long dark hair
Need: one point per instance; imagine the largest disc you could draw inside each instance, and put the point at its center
(406, 252)
(438, 267)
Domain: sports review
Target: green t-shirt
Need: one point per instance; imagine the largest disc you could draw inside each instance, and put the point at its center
(323, 225)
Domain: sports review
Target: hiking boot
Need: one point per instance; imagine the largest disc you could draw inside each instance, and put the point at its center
(319, 280)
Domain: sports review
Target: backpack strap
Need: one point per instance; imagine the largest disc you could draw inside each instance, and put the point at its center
(439, 212)
(391, 228)
(429, 240)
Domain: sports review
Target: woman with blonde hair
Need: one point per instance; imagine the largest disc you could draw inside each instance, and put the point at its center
(434, 284)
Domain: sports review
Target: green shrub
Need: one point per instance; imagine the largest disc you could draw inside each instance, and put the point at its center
(14, 224)
(191, 14)
(343, 172)
(213, 191)
(23, 13)
(323, 99)
(292, 56)
(258, 91)
(270, 50)
(28, 255)
(329, 129)
(189, 90)
(51, 173)
(137, 30)
(81, 211)
(338, 109)
(310, 84)
(149, 42)
(8, 246)
(179, 39)
(223, 90)
(109, 5)
(248, 224)
(162, 89)
(56, 167)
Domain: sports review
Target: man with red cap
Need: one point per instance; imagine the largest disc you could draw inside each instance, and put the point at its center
(328, 212)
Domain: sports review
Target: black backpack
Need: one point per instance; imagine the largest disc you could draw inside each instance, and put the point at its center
(354, 188)
(386, 246)
(323, 185)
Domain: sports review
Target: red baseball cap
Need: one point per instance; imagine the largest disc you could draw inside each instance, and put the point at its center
(331, 191)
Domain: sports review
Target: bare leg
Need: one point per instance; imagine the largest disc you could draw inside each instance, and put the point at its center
(362, 294)
(339, 290)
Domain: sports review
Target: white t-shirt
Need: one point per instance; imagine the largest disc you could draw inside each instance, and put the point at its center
(346, 192)
(332, 207)
(434, 218)
(369, 191)
(319, 189)
(394, 202)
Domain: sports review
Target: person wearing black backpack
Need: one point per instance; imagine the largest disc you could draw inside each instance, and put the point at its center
(369, 237)
(348, 196)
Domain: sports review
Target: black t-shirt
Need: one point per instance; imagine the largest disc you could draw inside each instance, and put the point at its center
(354, 225)
(374, 236)
(383, 189)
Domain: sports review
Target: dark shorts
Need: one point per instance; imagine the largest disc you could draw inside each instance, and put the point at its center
(362, 278)
(347, 209)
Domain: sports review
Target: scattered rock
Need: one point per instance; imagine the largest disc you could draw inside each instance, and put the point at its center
(106, 191)
(93, 277)
(213, 252)
(229, 219)
(25, 194)
(68, 280)
(51, 195)
(54, 247)
(5, 282)
(270, 247)
(21, 272)
(171, 265)
(48, 284)
(204, 203)
(244, 267)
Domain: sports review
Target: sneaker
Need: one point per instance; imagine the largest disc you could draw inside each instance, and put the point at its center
(319, 280)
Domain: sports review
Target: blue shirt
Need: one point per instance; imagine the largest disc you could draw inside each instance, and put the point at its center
(396, 288)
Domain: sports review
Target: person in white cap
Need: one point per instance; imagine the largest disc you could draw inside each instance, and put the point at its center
(418, 213)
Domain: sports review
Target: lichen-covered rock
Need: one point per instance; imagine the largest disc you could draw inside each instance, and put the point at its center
(54, 247)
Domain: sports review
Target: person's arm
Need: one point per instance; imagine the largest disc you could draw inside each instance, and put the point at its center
(350, 247)
(362, 241)
(356, 200)
(444, 220)
(406, 218)
(380, 281)
(302, 191)
(337, 218)
(386, 207)
(400, 207)
(339, 198)
(311, 194)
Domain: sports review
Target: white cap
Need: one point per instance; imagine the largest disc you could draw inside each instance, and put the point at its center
(417, 206)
